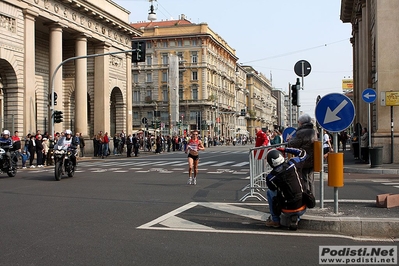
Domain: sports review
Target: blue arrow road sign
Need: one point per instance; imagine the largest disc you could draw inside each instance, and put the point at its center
(369, 95)
(288, 133)
(335, 112)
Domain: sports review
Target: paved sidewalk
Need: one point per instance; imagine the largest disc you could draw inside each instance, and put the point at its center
(356, 217)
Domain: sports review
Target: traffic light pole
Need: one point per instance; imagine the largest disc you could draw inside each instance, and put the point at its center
(70, 59)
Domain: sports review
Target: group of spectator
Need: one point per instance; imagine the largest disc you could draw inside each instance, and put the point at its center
(40, 147)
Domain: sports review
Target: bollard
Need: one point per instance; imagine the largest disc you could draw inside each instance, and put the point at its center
(336, 169)
(317, 158)
(336, 174)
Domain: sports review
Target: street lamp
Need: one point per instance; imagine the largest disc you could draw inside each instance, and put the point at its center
(152, 16)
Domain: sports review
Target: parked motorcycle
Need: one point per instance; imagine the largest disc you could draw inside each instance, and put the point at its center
(8, 161)
(63, 160)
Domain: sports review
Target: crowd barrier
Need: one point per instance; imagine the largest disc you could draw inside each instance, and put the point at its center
(258, 170)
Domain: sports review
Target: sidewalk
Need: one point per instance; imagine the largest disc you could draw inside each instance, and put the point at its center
(351, 165)
(359, 218)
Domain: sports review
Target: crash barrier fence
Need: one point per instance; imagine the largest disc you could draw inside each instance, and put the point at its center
(258, 170)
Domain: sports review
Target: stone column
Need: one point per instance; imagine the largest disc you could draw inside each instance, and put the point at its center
(101, 90)
(55, 60)
(128, 100)
(81, 86)
(29, 72)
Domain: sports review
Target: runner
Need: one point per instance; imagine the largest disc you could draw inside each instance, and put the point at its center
(193, 146)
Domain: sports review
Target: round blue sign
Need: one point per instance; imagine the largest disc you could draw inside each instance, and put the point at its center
(369, 95)
(335, 112)
(288, 133)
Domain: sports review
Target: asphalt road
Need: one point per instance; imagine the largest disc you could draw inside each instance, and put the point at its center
(140, 211)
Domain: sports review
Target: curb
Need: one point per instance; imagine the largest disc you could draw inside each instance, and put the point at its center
(354, 226)
(377, 171)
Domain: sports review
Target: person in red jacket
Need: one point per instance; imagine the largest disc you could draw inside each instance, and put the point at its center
(261, 138)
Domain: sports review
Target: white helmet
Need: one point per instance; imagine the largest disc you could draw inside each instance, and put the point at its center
(68, 132)
(6, 132)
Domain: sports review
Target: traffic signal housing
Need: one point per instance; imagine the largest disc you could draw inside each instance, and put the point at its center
(58, 117)
(139, 53)
(243, 112)
(294, 95)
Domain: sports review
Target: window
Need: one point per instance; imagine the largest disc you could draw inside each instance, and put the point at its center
(149, 45)
(136, 116)
(165, 95)
(194, 42)
(179, 43)
(165, 117)
(181, 93)
(194, 75)
(165, 44)
(136, 96)
(194, 90)
(150, 115)
(149, 93)
(149, 60)
(135, 78)
(194, 58)
(165, 59)
(165, 76)
(149, 77)
(180, 56)
(180, 77)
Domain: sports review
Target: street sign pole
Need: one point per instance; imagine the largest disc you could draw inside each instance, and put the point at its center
(335, 112)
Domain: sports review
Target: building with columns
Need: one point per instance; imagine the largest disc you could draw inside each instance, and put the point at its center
(375, 42)
(93, 93)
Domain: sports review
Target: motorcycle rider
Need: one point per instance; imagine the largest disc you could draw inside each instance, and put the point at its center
(70, 142)
(6, 144)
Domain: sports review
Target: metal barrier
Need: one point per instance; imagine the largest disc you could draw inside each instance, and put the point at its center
(258, 170)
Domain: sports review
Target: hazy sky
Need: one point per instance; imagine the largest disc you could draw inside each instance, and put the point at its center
(272, 35)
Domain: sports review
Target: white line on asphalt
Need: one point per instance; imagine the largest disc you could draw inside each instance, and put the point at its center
(223, 163)
(240, 164)
(208, 162)
(389, 184)
(164, 221)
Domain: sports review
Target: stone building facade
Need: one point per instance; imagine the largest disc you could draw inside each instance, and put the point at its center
(93, 93)
(213, 89)
(375, 42)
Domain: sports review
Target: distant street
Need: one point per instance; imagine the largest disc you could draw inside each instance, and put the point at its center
(140, 211)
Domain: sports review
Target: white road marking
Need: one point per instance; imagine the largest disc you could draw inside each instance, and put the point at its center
(170, 222)
(223, 163)
(240, 164)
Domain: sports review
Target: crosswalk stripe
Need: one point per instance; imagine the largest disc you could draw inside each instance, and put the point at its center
(174, 162)
(223, 163)
(240, 164)
(208, 162)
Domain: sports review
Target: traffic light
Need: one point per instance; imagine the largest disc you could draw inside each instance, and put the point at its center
(243, 112)
(58, 118)
(139, 53)
(294, 95)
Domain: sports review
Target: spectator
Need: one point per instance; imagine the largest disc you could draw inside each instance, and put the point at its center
(39, 151)
(304, 138)
(82, 145)
(261, 138)
(285, 186)
(32, 150)
(364, 146)
(105, 145)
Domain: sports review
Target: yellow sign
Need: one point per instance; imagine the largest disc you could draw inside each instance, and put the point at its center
(347, 84)
(392, 98)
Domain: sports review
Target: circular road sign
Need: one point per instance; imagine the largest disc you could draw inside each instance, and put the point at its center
(369, 95)
(144, 120)
(288, 133)
(335, 112)
(302, 68)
